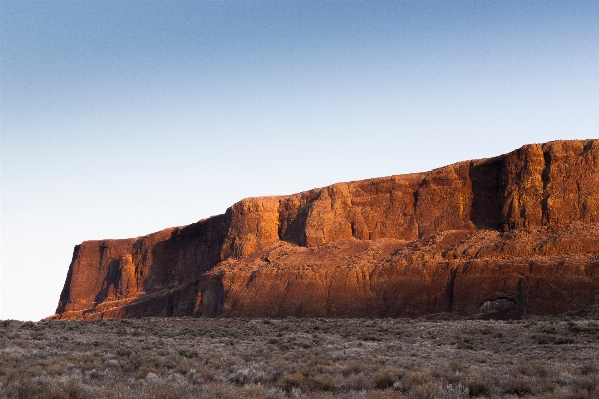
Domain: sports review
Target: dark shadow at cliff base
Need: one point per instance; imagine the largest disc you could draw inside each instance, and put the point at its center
(203, 297)
(176, 302)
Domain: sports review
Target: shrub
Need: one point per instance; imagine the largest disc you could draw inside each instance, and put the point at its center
(358, 382)
(415, 378)
(385, 378)
(478, 386)
(188, 353)
(429, 390)
(290, 381)
(586, 382)
(518, 386)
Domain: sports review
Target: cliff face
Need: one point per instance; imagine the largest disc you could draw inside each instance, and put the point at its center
(510, 235)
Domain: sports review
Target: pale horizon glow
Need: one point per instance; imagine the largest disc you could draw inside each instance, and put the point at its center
(122, 118)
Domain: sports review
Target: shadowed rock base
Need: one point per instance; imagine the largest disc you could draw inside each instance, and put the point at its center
(501, 237)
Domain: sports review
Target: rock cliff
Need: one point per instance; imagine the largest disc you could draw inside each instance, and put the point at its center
(501, 237)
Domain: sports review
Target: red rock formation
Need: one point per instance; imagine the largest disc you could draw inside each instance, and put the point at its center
(511, 235)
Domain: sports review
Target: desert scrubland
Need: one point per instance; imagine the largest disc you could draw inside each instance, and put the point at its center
(553, 357)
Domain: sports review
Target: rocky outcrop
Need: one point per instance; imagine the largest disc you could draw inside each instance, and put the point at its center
(506, 236)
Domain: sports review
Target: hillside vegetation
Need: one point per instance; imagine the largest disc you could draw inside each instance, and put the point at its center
(300, 358)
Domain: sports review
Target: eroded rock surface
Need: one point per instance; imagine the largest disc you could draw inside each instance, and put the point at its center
(511, 235)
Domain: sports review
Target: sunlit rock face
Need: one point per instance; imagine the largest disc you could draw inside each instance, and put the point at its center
(512, 235)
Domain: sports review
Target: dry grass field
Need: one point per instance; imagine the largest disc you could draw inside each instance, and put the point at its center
(301, 358)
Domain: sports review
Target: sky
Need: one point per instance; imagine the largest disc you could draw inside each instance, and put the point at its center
(121, 118)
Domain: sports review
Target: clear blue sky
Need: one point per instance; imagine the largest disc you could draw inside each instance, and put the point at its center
(120, 118)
